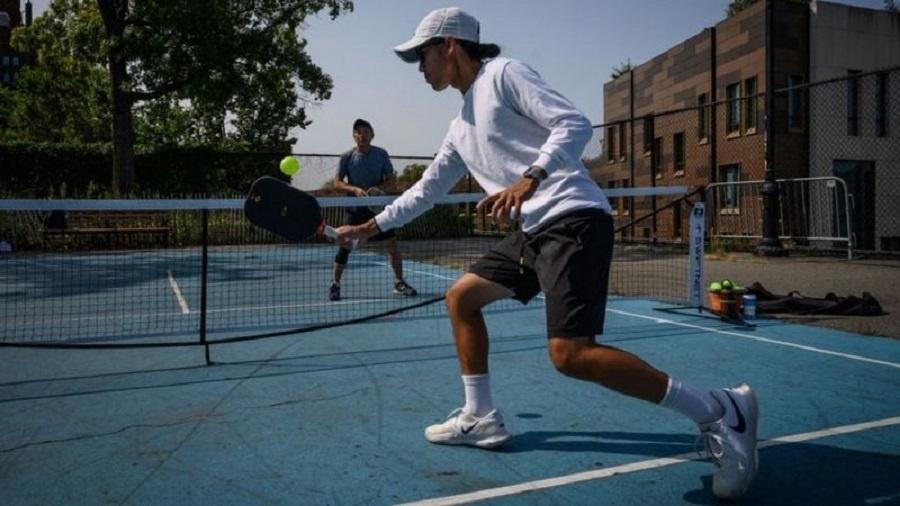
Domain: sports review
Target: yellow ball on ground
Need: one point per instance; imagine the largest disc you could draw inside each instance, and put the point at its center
(289, 165)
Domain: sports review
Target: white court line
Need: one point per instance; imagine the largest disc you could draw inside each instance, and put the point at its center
(759, 338)
(177, 291)
(726, 332)
(532, 486)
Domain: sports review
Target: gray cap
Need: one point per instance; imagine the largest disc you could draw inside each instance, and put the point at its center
(446, 22)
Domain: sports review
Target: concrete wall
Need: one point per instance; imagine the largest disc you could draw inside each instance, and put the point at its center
(845, 38)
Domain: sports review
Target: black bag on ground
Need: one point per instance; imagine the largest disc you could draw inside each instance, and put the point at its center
(831, 304)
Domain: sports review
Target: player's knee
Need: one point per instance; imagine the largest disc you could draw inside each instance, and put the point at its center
(564, 354)
(342, 256)
(459, 299)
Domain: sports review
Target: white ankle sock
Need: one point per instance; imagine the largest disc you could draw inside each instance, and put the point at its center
(478, 394)
(698, 405)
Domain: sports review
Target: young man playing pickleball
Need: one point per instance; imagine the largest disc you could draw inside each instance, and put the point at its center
(364, 167)
(522, 141)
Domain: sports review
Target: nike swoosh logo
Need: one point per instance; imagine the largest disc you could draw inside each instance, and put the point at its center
(466, 430)
(742, 424)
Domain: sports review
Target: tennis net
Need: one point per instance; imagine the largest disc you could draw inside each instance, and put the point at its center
(179, 272)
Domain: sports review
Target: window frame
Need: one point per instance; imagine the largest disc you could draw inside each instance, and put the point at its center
(703, 118)
(730, 194)
(656, 164)
(611, 144)
(678, 153)
(733, 110)
(649, 122)
(751, 113)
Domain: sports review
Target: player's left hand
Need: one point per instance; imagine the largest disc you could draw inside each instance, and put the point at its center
(353, 236)
(507, 204)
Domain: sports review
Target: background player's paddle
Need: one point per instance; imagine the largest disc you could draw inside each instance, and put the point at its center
(375, 192)
(284, 210)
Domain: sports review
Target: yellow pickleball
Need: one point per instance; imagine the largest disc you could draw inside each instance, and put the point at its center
(289, 166)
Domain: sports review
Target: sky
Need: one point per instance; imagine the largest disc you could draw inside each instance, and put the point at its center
(573, 44)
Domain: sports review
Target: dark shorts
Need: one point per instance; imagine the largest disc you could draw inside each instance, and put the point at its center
(360, 215)
(568, 259)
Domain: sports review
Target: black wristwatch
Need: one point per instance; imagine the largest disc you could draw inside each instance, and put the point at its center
(536, 173)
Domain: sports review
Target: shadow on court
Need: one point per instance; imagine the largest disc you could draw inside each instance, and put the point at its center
(818, 474)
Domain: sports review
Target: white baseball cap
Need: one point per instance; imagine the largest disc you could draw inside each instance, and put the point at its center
(446, 22)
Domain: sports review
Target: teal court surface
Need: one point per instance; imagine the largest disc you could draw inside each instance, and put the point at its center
(336, 416)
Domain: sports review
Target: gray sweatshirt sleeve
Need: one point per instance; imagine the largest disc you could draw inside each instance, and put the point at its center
(445, 170)
(528, 94)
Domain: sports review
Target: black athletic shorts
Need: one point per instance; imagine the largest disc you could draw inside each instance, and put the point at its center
(360, 215)
(568, 259)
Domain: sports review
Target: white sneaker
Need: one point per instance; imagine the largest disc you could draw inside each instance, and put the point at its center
(731, 441)
(462, 428)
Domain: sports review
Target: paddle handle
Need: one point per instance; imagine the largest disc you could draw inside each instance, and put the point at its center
(330, 232)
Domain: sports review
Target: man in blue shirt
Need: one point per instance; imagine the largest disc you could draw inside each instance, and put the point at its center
(364, 167)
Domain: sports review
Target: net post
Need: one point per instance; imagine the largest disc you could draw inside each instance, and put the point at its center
(204, 263)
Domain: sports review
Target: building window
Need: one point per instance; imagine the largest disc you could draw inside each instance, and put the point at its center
(6, 77)
(648, 134)
(611, 144)
(623, 141)
(15, 61)
(623, 202)
(853, 102)
(881, 91)
(678, 149)
(731, 175)
(750, 113)
(702, 118)
(657, 157)
(795, 103)
(6, 61)
(733, 112)
(613, 201)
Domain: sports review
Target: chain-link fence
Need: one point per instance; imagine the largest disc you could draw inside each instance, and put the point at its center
(845, 130)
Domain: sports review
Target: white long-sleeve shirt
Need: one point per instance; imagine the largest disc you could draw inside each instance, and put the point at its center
(509, 121)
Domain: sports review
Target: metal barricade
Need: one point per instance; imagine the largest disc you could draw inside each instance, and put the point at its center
(813, 213)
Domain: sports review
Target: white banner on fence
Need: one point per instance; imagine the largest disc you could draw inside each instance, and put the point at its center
(695, 279)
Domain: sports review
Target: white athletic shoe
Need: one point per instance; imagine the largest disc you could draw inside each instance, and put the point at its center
(731, 441)
(462, 428)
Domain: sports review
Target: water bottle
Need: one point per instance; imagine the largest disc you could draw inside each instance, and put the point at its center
(749, 306)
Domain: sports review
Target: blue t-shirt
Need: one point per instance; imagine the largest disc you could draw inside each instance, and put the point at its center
(365, 170)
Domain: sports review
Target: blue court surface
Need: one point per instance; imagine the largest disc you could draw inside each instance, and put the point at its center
(336, 417)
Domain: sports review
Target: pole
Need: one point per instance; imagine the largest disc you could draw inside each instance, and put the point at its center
(204, 269)
(770, 245)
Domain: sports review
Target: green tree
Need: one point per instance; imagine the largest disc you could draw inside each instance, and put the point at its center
(412, 173)
(194, 70)
(892, 5)
(622, 69)
(63, 94)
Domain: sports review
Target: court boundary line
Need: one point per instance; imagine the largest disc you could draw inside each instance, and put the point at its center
(547, 483)
(182, 303)
(850, 356)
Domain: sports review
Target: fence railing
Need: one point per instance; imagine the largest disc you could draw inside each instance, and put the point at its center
(813, 213)
(843, 132)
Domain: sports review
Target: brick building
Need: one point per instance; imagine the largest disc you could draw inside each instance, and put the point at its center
(11, 17)
(695, 114)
